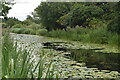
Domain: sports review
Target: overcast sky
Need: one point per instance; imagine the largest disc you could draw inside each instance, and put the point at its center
(22, 8)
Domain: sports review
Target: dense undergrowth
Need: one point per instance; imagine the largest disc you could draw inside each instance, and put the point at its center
(29, 31)
(99, 35)
(30, 28)
(96, 22)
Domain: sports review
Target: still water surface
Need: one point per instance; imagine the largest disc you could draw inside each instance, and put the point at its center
(93, 59)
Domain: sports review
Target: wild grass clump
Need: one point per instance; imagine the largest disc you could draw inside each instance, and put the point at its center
(114, 39)
(29, 31)
(98, 35)
(41, 32)
(23, 31)
(29, 28)
(19, 63)
(18, 26)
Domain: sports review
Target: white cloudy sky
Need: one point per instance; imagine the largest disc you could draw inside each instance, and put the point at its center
(22, 8)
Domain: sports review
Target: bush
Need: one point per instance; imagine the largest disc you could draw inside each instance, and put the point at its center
(18, 26)
(99, 35)
(23, 31)
(113, 39)
(17, 30)
(26, 31)
(41, 31)
(96, 23)
(34, 26)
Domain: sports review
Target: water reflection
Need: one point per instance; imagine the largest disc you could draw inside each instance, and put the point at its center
(109, 61)
(102, 61)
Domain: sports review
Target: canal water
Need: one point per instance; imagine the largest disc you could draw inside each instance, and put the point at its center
(93, 59)
(74, 60)
(102, 61)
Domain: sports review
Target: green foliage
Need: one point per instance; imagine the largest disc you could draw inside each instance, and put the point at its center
(27, 22)
(10, 22)
(34, 26)
(87, 22)
(28, 28)
(71, 34)
(96, 23)
(18, 26)
(4, 8)
(61, 15)
(63, 20)
(49, 13)
(99, 35)
(16, 30)
(80, 13)
(23, 31)
(114, 39)
(15, 63)
(41, 32)
(18, 62)
(114, 25)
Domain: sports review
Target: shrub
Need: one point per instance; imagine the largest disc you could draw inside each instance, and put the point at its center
(113, 39)
(34, 26)
(41, 31)
(18, 26)
(17, 30)
(27, 31)
(23, 31)
(96, 23)
(99, 35)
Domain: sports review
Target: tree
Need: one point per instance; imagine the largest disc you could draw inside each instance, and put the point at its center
(79, 15)
(4, 5)
(50, 12)
(61, 15)
(10, 22)
(114, 25)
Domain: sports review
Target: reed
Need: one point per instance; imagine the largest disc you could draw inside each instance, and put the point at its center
(17, 63)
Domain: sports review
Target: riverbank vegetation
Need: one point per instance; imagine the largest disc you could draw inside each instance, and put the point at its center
(95, 22)
(100, 35)
(17, 62)
(86, 22)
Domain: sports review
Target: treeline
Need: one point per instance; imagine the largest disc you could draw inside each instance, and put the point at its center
(28, 26)
(94, 22)
(61, 15)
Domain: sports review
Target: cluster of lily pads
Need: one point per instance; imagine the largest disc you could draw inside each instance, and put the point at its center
(61, 65)
(67, 68)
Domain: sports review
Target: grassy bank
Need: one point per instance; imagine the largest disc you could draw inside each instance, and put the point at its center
(29, 31)
(99, 35)
(29, 28)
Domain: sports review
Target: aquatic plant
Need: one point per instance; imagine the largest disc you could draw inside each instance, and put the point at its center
(18, 62)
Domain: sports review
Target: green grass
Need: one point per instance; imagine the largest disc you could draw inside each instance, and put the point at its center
(99, 35)
(87, 35)
(17, 63)
(23, 31)
(29, 31)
